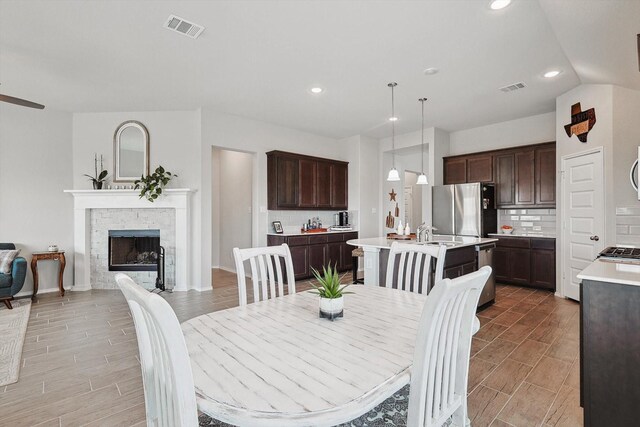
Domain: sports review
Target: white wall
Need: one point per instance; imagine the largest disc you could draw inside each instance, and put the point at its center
(35, 167)
(241, 134)
(174, 144)
(364, 183)
(235, 182)
(524, 131)
(626, 139)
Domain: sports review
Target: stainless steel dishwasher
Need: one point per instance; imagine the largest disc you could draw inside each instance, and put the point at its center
(484, 255)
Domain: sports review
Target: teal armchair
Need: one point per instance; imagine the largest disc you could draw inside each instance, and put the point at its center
(11, 284)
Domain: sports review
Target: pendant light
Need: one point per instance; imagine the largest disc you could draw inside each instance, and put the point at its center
(393, 173)
(422, 179)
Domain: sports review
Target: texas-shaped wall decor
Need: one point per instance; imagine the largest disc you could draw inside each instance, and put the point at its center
(581, 122)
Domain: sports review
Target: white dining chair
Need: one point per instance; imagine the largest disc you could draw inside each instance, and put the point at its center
(167, 378)
(440, 369)
(413, 271)
(266, 272)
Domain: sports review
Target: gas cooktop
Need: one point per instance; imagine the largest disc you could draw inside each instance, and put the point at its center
(620, 254)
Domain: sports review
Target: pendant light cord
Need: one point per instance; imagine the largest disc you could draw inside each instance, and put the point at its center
(422, 136)
(393, 125)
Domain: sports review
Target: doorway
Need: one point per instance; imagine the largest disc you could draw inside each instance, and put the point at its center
(583, 214)
(413, 200)
(231, 211)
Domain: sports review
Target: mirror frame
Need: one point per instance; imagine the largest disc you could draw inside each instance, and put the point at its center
(116, 146)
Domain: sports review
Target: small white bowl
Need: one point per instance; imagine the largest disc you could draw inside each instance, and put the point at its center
(507, 230)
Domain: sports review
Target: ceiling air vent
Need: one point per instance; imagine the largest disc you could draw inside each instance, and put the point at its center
(182, 26)
(512, 87)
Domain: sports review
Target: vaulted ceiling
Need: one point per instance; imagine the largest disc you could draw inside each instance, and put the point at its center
(258, 59)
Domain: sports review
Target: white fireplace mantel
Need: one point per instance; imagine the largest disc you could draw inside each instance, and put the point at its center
(85, 200)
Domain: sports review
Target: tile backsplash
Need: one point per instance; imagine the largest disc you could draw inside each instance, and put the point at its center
(292, 220)
(628, 226)
(528, 220)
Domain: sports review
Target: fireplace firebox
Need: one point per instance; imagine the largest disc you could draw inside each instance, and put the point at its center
(134, 250)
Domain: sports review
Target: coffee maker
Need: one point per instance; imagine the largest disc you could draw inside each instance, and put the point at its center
(341, 219)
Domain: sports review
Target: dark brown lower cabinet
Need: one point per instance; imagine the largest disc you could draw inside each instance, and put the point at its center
(526, 261)
(459, 262)
(609, 353)
(317, 251)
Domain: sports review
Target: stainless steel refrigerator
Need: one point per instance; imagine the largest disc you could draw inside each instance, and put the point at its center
(464, 209)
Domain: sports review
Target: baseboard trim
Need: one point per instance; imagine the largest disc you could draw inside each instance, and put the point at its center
(40, 291)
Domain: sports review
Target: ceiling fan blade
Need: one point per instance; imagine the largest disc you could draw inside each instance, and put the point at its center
(22, 102)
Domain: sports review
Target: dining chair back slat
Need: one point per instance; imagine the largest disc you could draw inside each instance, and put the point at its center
(167, 378)
(409, 266)
(441, 360)
(267, 275)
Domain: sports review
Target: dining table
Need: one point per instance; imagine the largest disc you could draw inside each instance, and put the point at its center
(277, 363)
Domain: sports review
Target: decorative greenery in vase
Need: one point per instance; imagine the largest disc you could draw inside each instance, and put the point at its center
(150, 186)
(331, 292)
(97, 179)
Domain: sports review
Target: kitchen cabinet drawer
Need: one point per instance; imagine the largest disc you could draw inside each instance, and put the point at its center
(314, 240)
(350, 236)
(543, 244)
(296, 181)
(297, 241)
(338, 237)
(514, 242)
(460, 256)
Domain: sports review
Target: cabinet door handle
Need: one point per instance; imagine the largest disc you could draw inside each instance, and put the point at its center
(594, 238)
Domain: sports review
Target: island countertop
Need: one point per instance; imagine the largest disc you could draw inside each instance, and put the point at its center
(611, 272)
(450, 241)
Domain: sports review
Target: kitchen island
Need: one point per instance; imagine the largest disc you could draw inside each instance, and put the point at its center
(461, 255)
(610, 343)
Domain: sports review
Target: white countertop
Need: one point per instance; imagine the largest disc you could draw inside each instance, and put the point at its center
(523, 234)
(300, 233)
(613, 272)
(455, 241)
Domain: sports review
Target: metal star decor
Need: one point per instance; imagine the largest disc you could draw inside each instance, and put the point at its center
(392, 195)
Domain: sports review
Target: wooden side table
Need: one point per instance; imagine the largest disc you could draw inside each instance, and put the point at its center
(53, 256)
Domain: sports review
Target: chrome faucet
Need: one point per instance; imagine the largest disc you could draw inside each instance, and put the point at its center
(424, 233)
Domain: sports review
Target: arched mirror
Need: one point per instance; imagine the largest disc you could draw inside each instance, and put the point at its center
(130, 151)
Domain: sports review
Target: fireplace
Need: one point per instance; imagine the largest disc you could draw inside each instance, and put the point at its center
(134, 250)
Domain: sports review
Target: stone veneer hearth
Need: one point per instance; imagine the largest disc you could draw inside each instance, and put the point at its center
(103, 220)
(97, 211)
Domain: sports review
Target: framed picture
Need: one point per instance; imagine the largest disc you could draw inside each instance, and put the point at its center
(277, 226)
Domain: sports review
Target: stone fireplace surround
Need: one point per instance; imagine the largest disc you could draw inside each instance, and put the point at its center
(90, 206)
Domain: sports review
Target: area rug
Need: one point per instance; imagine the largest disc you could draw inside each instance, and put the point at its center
(13, 327)
(390, 413)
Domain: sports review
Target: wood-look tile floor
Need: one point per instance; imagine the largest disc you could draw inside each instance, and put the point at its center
(80, 359)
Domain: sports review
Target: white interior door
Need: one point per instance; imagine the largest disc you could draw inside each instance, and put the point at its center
(582, 217)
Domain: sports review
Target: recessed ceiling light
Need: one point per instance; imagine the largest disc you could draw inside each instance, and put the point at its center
(551, 74)
(316, 90)
(430, 71)
(393, 119)
(499, 4)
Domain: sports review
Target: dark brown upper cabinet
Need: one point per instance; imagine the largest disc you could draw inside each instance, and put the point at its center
(546, 176)
(505, 179)
(524, 176)
(480, 168)
(455, 171)
(296, 181)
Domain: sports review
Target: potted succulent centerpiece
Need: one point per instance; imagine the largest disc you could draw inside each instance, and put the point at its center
(330, 291)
